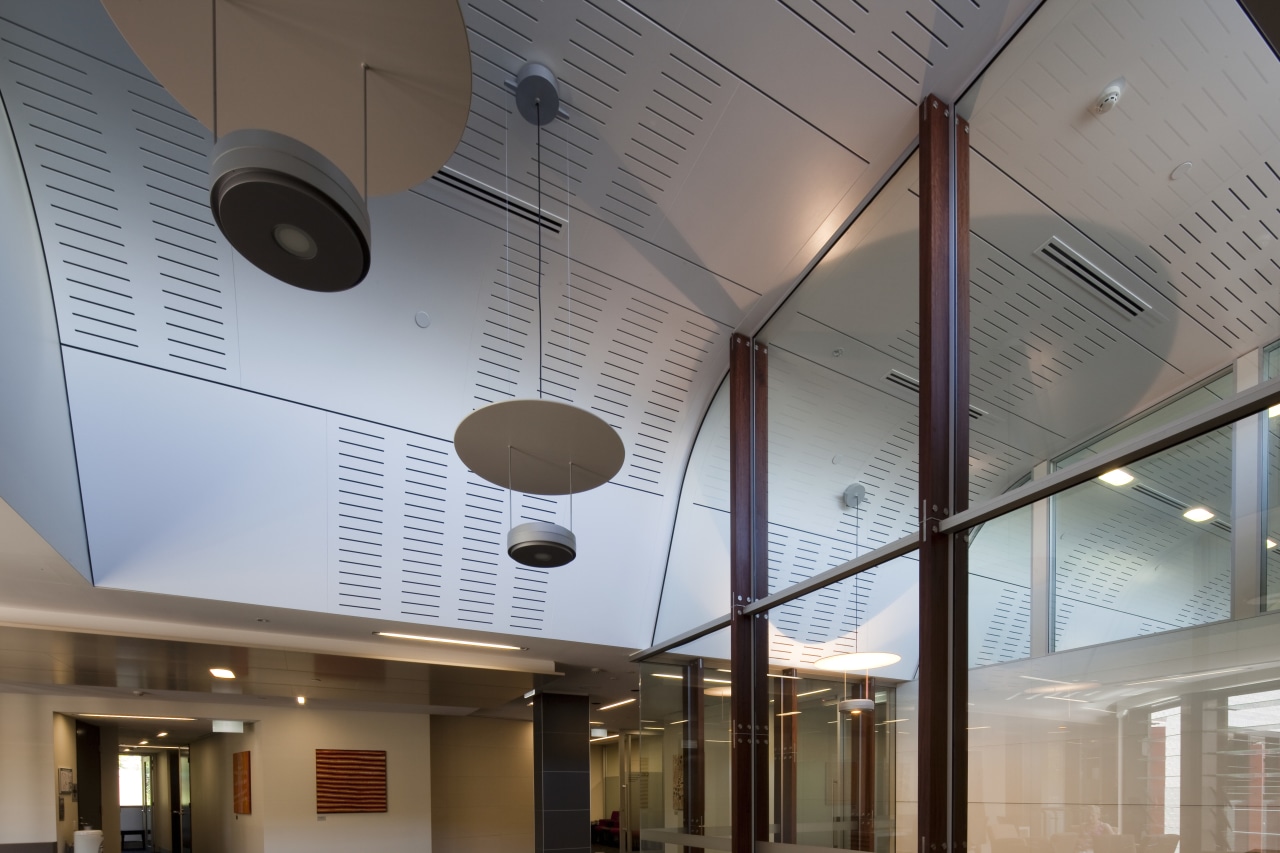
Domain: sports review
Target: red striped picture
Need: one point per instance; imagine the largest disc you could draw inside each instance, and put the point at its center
(351, 780)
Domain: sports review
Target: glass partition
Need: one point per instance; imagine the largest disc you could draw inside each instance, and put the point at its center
(1119, 742)
(1000, 578)
(843, 402)
(1145, 548)
(1271, 571)
(842, 744)
(682, 787)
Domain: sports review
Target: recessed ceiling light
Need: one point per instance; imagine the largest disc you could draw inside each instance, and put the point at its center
(302, 700)
(1117, 477)
(668, 675)
(219, 672)
(143, 742)
(1274, 412)
(615, 705)
(162, 734)
(450, 641)
(717, 681)
(1197, 513)
(1271, 543)
(813, 692)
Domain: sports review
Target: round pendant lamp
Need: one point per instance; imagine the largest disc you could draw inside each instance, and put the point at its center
(313, 108)
(539, 446)
(289, 211)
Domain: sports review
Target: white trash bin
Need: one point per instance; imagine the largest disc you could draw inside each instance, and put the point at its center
(88, 841)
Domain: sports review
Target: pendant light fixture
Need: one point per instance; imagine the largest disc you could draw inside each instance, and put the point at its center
(856, 661)
(539, 446)
(294, 126)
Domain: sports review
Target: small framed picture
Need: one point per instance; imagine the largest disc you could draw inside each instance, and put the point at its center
(66, 780)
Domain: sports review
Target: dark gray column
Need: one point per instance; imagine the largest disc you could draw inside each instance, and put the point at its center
(561, 774)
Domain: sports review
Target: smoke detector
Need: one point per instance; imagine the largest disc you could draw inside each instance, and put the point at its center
(1109, 97)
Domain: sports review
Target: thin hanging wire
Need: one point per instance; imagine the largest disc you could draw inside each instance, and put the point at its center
(568, 281)
(857, 587)
(213, 9)
(506, 191)
(537, 106)
(364, 82)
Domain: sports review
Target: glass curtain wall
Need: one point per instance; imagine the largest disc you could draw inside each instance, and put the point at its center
(1124, 663)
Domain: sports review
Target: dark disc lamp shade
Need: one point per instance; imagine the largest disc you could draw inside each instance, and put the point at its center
(289, 211)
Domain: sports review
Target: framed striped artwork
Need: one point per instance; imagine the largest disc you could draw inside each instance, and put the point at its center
(351, 780)
(241, 793)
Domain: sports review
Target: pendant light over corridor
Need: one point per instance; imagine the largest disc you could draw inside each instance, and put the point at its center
(539, 446)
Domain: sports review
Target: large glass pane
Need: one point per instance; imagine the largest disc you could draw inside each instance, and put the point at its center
(1271, 574)
(1154, 744)
(842, 744)
(842, 395)
(1000, 572)
(680, 774)
(1146, 548)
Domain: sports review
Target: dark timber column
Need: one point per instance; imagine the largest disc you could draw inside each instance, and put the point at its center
(944, 475)
(863, 773)
(786, 706)
(694, 745)
(561, 774)
(748, 581)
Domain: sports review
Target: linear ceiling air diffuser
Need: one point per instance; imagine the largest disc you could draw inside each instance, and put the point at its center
(1081, 270)
(902, 380)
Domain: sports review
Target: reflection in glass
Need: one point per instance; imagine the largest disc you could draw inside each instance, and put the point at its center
(1150, 554)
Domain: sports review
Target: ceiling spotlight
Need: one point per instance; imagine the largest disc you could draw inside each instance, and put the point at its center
(1271, 543)
(143, 742)
(162, 734)
(302, 700)
(289, 211)
(219, 672)
(1197, 513)
(1117, 477)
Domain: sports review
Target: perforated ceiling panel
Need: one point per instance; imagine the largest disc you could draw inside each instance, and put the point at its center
(117, 173)
(1197, 81)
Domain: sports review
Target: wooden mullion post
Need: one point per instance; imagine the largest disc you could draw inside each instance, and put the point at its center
(944, 476)
(749, 580)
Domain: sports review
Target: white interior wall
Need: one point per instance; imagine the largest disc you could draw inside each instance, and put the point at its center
(219, 829)
(283, 765)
